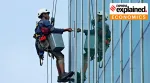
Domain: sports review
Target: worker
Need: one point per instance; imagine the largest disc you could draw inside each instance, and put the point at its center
(42, 30)
(100, 49)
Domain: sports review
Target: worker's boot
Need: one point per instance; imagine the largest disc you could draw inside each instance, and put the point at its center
(65, 77)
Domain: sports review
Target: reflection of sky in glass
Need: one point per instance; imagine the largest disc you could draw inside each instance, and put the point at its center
(136, 36)
(146, 55)
(136, 66)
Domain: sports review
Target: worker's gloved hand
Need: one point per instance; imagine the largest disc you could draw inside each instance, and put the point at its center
(85, 32)
(78, 30)
(68, 29)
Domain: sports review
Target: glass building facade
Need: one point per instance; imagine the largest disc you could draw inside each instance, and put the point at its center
(126, 59)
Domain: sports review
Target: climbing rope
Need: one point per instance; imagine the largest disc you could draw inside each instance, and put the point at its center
(52, 22)
(51, 69)
(92, 27)
(92, 9)
(48, 55)
(54, 12)
(47, 68)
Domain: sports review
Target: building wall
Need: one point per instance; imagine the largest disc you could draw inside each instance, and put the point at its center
(126, 51)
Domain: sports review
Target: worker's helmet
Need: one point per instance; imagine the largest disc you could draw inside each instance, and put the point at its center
(41, 11)
(101, 13)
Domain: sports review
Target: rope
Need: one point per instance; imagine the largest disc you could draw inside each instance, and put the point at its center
(92, 13)
(48, 55)
(92, 9)
(47, 67)
(53, 23)
(51, 69)
(54, 12)
(55, 9)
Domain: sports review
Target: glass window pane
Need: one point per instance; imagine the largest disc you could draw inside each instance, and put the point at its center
(116, 62)
(126, 44)
(125, 27)
(108, 73)
(146, 55)
(136, 65)
(126, 73)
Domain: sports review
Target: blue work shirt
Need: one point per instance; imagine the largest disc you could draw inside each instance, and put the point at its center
(46, 24)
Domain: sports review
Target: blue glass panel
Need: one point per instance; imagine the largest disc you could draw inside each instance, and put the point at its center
(136, 65)
(146, 55)
(126, 73)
